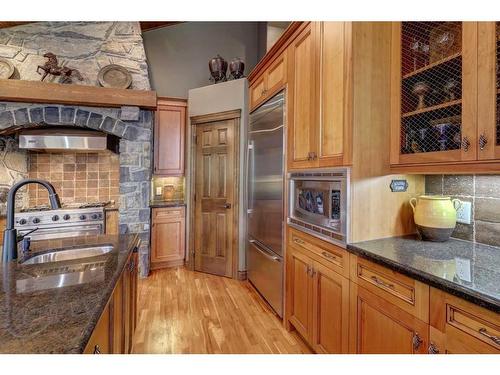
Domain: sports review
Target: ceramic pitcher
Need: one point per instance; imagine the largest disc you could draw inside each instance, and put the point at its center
(435, 216)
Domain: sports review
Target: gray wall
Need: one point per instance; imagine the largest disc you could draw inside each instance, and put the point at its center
(178, 55)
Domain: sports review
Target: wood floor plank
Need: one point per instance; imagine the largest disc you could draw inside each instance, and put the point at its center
(181, 311)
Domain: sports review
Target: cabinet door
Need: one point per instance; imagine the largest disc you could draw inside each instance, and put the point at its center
(170, 124)
(332, 135)
(379, 327)
(330, 303)
(257, 92)
(127, 333)
(302, 103)
(299, 289)
(99, 342)
(167, 239)
(489, 90)
(434, 92)
(276, 75)
(118, 321)
(133, 293)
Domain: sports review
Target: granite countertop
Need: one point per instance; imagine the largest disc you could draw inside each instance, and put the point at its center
(36, 317)
(161, 203)
(468, 270)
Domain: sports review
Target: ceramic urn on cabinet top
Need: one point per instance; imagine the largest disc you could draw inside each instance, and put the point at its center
(435, 216)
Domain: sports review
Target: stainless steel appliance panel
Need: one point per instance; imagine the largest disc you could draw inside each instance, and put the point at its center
(265, 174)
(265, 272)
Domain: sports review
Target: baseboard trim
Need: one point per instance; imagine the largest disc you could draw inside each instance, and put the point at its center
(167, 264)
(241, 275)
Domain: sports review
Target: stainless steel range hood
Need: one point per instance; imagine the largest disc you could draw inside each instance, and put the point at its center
(66, 139)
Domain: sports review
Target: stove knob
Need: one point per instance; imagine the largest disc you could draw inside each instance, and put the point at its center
(66, 217)
(94, 216)
(83, 217)
(22, 221)
(55, 218)
(36, 220)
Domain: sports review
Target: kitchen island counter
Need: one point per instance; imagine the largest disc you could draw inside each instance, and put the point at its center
(41, 313)
(468, 270)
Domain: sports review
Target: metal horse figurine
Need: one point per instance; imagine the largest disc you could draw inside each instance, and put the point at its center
(52, 67)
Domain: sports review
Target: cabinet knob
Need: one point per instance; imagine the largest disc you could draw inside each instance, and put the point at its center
(432, 349)
(416, 341)
(465, 144)
(483, 141)
(97, 349)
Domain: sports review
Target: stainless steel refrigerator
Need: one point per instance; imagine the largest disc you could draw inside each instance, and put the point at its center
(265, 179)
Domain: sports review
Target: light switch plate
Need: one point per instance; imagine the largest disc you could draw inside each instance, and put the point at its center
(158, 190)
(464, 213)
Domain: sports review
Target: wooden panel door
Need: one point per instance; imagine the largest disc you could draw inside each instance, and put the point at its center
(302, 104)
(488, 132)
(299, 292)
(333, 69)
(170, 126)
(214, 197)
(434, 92)
(330, 303)
(168, 236)
(378, 327)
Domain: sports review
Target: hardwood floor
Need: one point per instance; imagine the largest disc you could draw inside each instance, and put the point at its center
(182, 311)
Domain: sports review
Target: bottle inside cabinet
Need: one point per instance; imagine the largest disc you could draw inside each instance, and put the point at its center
(431, 86)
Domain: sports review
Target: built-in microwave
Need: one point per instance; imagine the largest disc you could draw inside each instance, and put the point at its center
(319, 203)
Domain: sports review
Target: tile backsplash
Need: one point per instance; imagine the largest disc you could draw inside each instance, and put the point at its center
(77, 177)
(170, 188)
(483, 191)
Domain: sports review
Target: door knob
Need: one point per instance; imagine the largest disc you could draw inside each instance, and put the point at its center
(227, 205)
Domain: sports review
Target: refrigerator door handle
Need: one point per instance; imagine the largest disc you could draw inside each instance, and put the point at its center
(264, 252)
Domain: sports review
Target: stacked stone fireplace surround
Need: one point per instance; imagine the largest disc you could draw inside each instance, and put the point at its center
(87, 46)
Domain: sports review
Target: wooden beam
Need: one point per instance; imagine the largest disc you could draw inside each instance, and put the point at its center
(152, 25)
(42, 92)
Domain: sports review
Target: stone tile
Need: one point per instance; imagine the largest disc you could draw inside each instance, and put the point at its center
(488, 233)
(21, 116)
(95, 120)
(6, 119)
(36, 115)
(464, 232)
(487, 209)
(67, 115)
(81, 117)
(108, 124)
(434, 184)
(461, 185)
(488, 186)
(51, 115)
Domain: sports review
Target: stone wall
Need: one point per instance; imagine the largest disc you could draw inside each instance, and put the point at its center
(86, 46)
(483, 191)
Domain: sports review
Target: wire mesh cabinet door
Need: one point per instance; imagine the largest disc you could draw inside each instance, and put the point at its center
(488, 134)
(434, 92)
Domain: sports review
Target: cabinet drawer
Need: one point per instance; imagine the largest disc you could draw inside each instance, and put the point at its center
(323, 252)
(465, 324)
(164, 213)
(408, 294)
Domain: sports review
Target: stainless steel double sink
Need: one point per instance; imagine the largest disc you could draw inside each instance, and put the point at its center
(68, 254)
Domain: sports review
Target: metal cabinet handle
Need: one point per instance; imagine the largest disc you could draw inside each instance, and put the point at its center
(97, 349)
(495, 339)
(328, 255)
(465, 144)
(131, 266)
(298, 241)
(416, 341)
(380, 282)
(483, 141)
(432, 349)
(227, 205)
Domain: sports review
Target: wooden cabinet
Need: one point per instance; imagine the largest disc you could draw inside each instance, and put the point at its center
(444, 97)
(460, 327)
(317, 301)
(168, 237)
(318, 129)
(379, 327)
(100, 341)
(169, 134)
(116, 327)
(112, 221)
(271, 81)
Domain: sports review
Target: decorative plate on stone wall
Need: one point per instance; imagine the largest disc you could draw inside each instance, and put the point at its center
(114, 76)
(6, 69)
